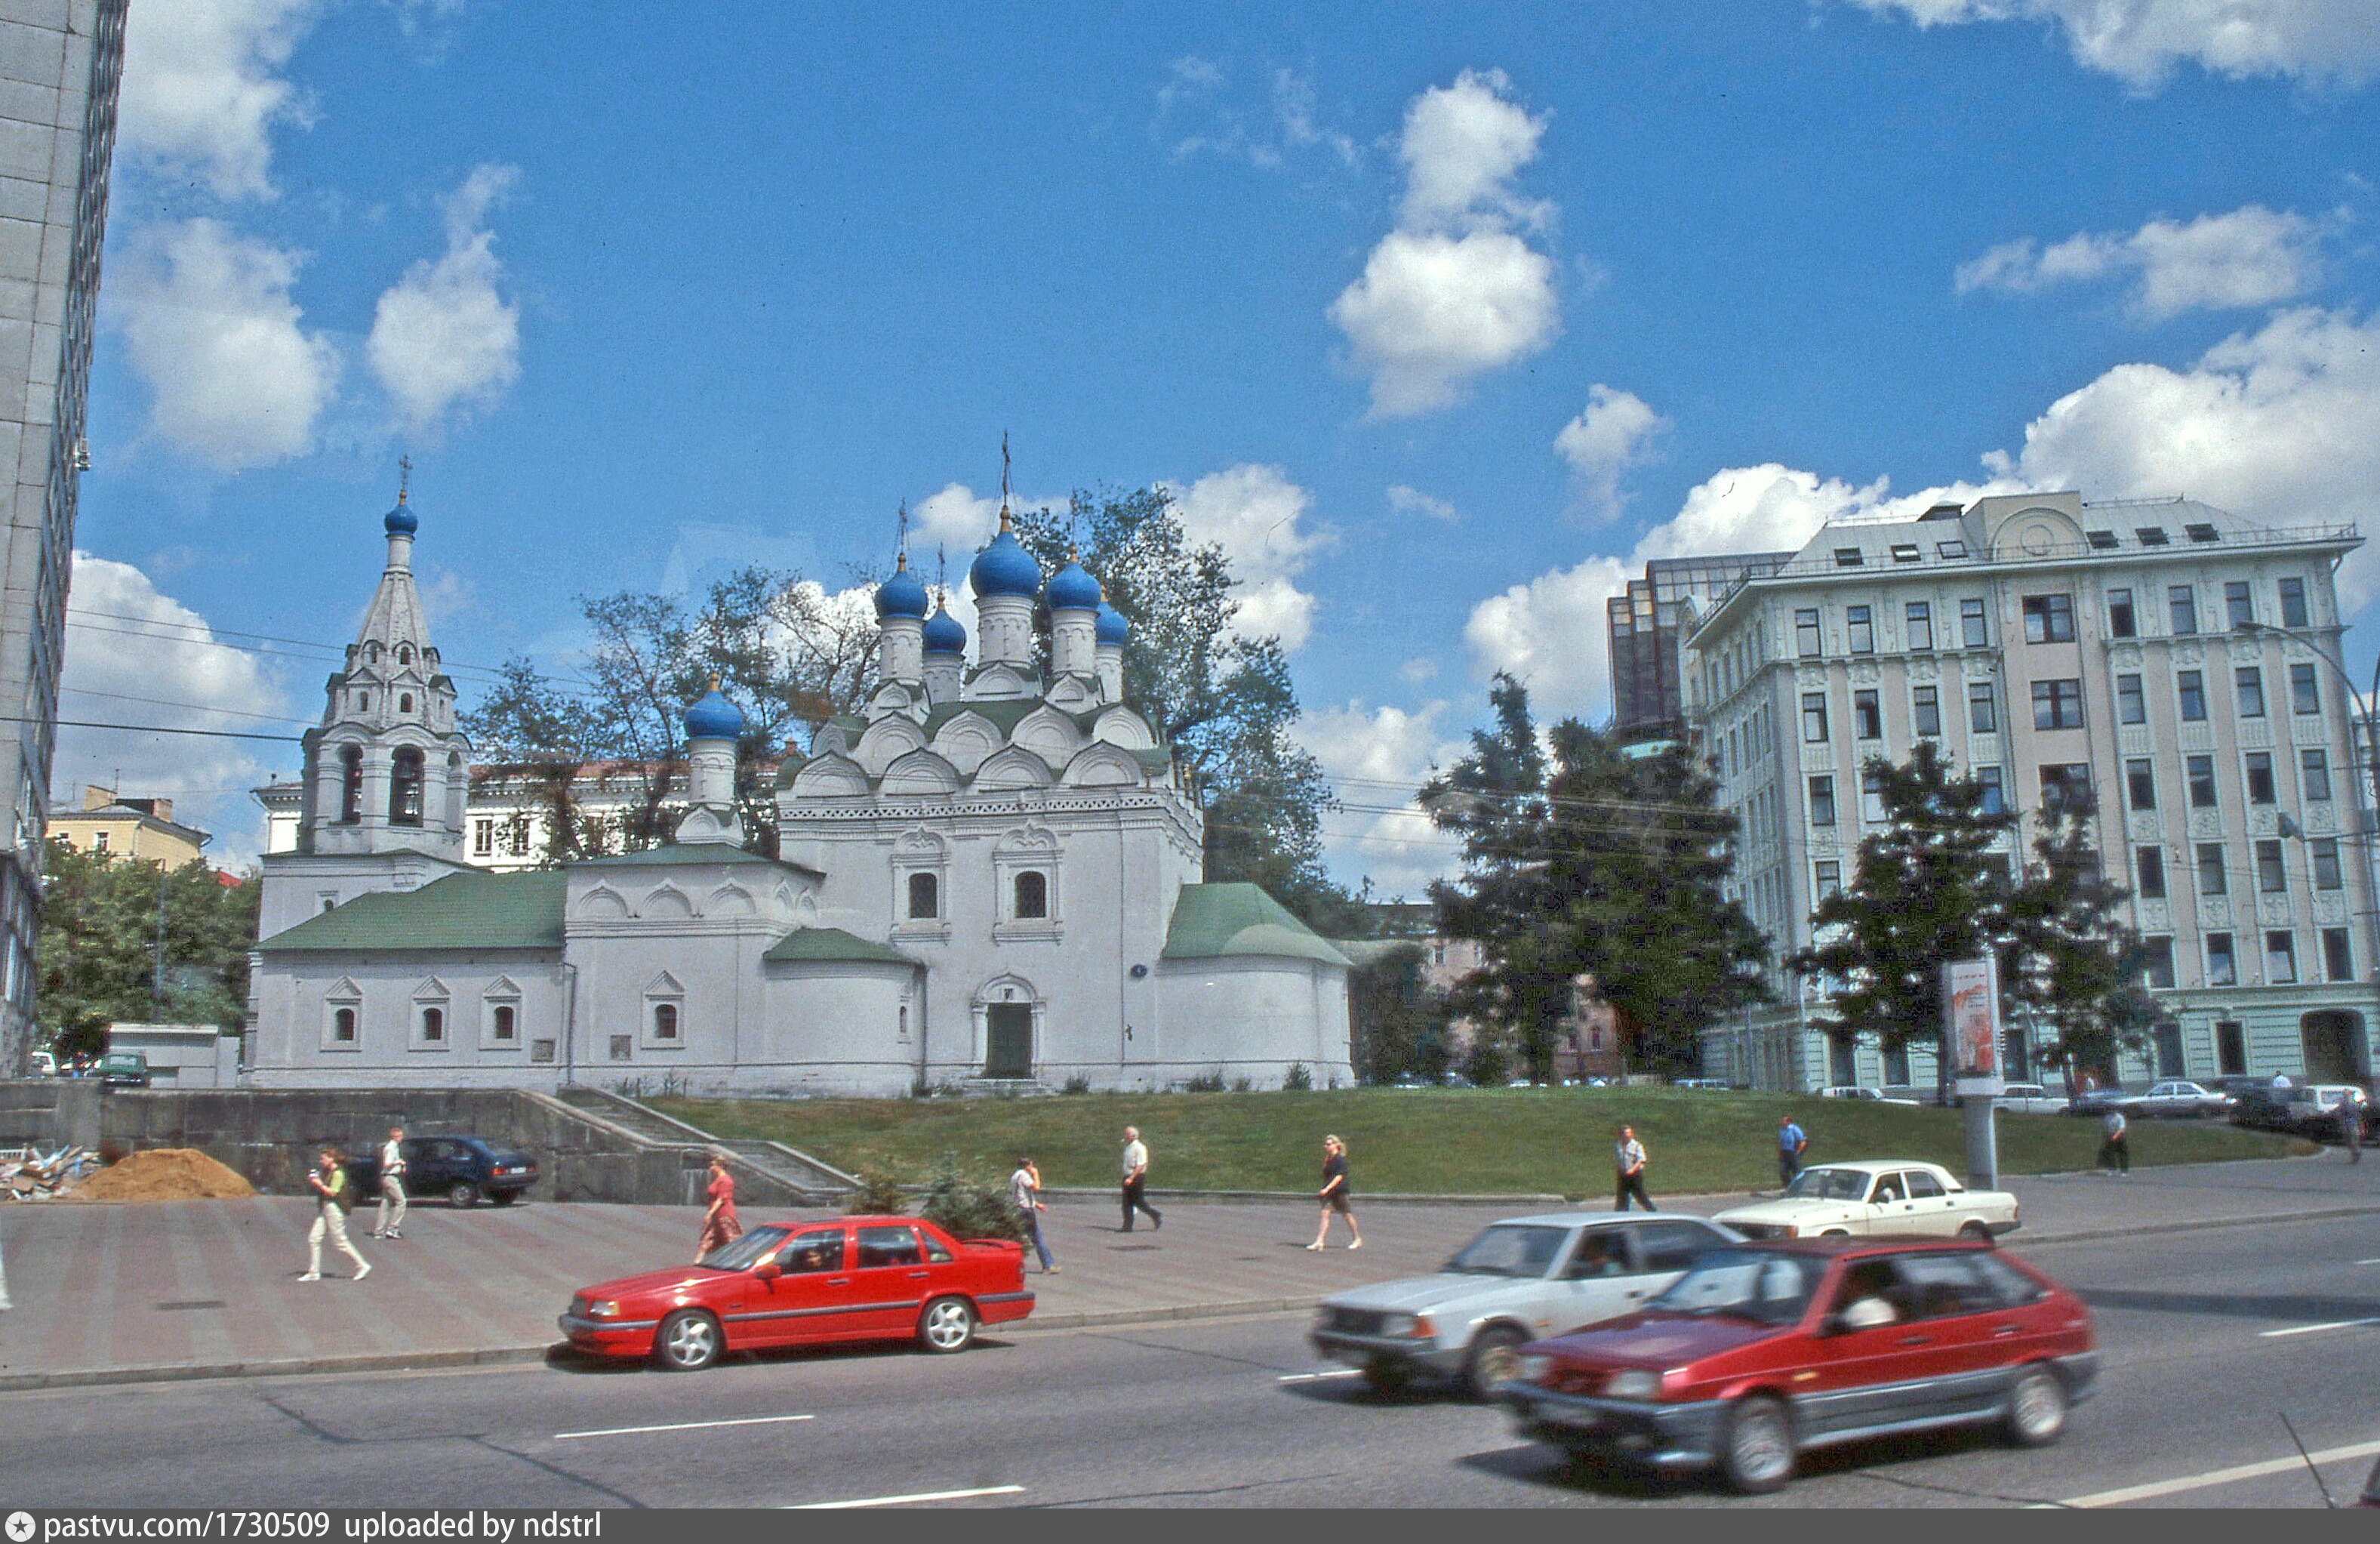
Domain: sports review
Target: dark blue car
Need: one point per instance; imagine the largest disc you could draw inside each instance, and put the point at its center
(465, 1170)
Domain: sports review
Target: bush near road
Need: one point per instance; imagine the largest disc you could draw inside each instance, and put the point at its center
(1485, 1141)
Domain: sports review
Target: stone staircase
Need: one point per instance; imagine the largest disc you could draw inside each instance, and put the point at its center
(801, 1179)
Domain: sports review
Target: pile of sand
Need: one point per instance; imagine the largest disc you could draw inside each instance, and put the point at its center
(164, 1174)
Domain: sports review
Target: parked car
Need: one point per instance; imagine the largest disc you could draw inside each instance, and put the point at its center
(1851, 1090)
(2095, 1101)
(1876, 1195)
(1721, 1084)
(805, 1283)
(465, 1170)
(1763, 1351)
(2030, 1099)
(1519, 1278)
(44, 1065)
(123, 1069)
(2175, 1097)
(2310, 1111)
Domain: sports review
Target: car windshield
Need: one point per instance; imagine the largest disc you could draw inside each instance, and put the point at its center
(1510, 1250)
(744, 1252)
(1827, 1184)
(1744, 1283)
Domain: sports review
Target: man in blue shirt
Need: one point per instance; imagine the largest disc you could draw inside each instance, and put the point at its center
(1790, 1140)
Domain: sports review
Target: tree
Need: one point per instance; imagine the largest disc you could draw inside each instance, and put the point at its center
(2075, 965)
(1392, 1009)
(99, 947)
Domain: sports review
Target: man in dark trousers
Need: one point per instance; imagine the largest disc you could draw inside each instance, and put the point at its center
(1135, 1175)
(1792, 1141)
(1628, 1157)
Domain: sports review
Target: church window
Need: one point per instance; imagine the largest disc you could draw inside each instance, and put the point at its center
(405, 654)
(506, 1025)
(1032, 894)
(404, 702)
(363, 701)
(404, 788)
(351, 784)
(343, 1026)
(665, 1021)
(925, 896)
(434, 1025)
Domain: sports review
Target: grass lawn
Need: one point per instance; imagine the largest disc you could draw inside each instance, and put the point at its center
(1492, 1141)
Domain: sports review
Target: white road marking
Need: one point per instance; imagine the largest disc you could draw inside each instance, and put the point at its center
(1311, 1377)
(678, 1426)
(2310, 1328)
(2221, 1477)
(2368, 1262)
(905, 1500)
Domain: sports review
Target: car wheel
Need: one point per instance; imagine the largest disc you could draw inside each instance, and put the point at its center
(462, 1193)
(1756, 1448)
(2036, 1415)
(1387, 1378)
(687, 1341)
(1976, 1231)
(947, 1325)
(502, 1198)
(1494, 1359)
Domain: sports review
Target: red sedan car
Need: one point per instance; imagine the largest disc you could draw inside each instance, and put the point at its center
(1762, 1349)
(804, 1283)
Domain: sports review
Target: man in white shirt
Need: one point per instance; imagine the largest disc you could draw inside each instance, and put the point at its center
(392, 1185)
(1136, 1175)
(1627, 1158)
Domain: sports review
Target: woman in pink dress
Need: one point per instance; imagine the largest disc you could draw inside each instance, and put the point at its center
(720, 1227)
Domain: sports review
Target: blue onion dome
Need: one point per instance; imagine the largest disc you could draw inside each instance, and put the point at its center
(1111, 627)
(713, 717)
(1004, 567)
(1072, 588)
(944, 634)
(901, 595)
(400, 521)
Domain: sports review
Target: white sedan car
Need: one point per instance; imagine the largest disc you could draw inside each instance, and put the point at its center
(1853, 1090)
(2032, 1099)
(1877, 1195)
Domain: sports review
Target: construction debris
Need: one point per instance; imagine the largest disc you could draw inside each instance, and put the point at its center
(29, 1174)
(163, 1175)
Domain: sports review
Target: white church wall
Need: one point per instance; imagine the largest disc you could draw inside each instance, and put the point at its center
(1254, 1016)
(298, 1033)
(841, 1028)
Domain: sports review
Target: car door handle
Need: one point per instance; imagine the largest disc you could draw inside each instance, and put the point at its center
(1917, 1340)
(2002, 1332)
(919, 1275)
(838, 1280)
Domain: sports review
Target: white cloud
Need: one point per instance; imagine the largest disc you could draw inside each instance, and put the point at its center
(1412, 501)
(1549, 634)
(211, 328)
(201, 90)
(163, 669)
(1200, 114)
(1453, 293)
(443, 337)
(1254, 513)
(1420, 668)
(1613, 433)
(955, 520)
(2141, 41)
(1377, 759)
(2248, 256)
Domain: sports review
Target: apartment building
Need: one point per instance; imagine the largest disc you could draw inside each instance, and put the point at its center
(2178, 661)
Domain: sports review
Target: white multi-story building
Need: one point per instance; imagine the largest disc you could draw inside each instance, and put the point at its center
(2177, 660)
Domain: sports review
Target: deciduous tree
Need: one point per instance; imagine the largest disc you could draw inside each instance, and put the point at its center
(99, 946)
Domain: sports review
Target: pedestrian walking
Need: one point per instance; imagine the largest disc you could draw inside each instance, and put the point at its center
(1792, 1141)
(2115, 1146)
(1135, 1177)
(1334, 1193)
(1628, 1157)
(720, 1227)
(1025, 1194)
(392, 1185)
(2351, 1127)
(331, 1195)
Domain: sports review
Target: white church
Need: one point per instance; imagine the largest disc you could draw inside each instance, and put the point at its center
(990, 877)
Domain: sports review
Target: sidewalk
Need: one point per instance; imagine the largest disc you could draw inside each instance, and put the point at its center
(194, 1289)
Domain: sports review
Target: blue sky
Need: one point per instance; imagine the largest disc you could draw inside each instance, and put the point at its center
(1442, 318)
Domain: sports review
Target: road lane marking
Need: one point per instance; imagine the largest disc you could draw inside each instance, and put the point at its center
(2310, 1328)
(1311, 1377)
(678, 1426)
(2368, 1262)
(2220, 1477)
(905, 1500)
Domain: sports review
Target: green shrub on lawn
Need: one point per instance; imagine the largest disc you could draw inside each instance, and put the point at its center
(969, 1208)
(878, 1194)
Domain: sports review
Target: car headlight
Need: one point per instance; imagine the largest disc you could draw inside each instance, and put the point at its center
(1406, 1325)
(1634, 1383)
(1531, 1368)
(605, 1309)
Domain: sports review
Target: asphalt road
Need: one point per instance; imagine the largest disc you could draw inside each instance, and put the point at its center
(2207, 1343)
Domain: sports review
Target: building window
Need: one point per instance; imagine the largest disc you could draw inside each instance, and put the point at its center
(2222, 970)
(1973, 631)
(2211, 873)
(351, 784)
(2280, 958)
(665, 1024)
(2272, 870)
(2250, 682)
(1868, 715)
(2156, 961)
(925, 896)
(98, 841)
(2131, 706)
(2304, 696)
(1983, 716)
(434, 1025)
(483, 837)
(1859, 621)
(2152, 872)
(2239, 604)
(404, 702)
(2065, 785)
(1805, 633)
(2181, 607)
(2050, 619)
(2189, 686)
(1831, 878)
(1814, 717)
(1849, 557)
(2260, 777)
(2322, 856)
(343, 1026)
(2140, 784)
(2337, 956)
(1994, 800)
(2313, 775)
(2230, 1047)
(1032, 895)
(1919, 618)
(1926, 711)
(1822, 801)
(2120, 623)
(504, 1023)
(2293, 606)
(2201, 781)
(2058, 704)
(405, 787)
(1871, 796)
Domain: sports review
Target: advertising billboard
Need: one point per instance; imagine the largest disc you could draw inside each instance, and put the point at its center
(1971, 1027)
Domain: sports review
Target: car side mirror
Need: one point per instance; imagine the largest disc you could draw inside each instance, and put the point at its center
(767, 1270)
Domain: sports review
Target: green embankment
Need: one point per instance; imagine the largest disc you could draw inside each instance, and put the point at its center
(1487, 1141)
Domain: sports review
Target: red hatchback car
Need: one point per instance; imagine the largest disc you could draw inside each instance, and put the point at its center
(806, 1283)
(1762, 1349)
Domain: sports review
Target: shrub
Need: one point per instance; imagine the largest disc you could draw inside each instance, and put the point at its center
(879, 1193)
(1206, 1083)
(1300, 1079)
(1244, 1085)
(1078, 1084)
(969, 1208)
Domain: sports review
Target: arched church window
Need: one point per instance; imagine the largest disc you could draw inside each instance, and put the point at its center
(433, 1024)
(404, 702)
(343, 1026)
(925, 896)
(404, 788)
(1032, 894)
(405, 654)
(351, 784)
(664, 1021)
(363, 701)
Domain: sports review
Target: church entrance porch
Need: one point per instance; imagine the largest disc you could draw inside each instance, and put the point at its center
(1008, 1040)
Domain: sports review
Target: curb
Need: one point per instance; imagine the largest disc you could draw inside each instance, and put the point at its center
(1192, 1197)
(2196, 1224)
(286, 1367)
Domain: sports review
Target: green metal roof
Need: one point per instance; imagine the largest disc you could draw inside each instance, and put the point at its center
(833, 944)
(461, 911)
(1211, 921)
